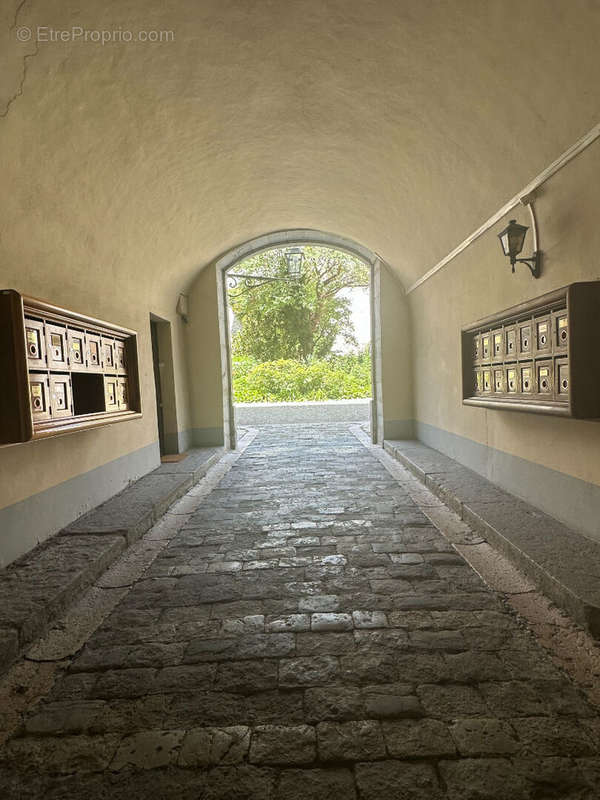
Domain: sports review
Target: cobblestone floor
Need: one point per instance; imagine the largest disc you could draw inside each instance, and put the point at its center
(308, 634)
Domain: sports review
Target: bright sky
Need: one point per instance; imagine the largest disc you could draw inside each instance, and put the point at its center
(361, 317)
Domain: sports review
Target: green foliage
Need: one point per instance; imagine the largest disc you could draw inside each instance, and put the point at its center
(295, 319)
(334, 378)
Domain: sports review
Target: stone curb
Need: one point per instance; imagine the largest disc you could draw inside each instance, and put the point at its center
(303, 412)
(564, 563)
(42, 584)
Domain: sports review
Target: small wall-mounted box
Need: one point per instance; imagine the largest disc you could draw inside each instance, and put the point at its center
(541, 356)
(56, 366)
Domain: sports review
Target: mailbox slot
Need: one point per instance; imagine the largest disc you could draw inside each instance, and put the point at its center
(123, 394)
(543, 335)
(77, 349)
(497, 345)
(499, 380)
(39, 396)
(486, 347)
(56, 341)
(94, 352)
(526, 378)
(108, 353)
(35, 343)
(510, 343)
(111, 393)
(120, 357)
(60, 396)
(560, 330)
(524, 340)
(562, 379)
(487, 381)
(512, 380)
(478, 381)
(544, 378)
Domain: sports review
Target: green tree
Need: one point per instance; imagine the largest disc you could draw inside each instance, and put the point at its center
(295, 319)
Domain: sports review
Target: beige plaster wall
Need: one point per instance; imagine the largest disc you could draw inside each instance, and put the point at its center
(396, 356)
(391, 122)
(478, 283)
(203, 352)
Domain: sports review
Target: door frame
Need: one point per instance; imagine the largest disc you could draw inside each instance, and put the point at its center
(164, 380)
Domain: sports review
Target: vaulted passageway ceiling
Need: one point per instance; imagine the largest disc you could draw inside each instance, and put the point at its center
(402, 124)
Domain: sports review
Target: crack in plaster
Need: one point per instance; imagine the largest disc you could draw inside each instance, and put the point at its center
(27, 56)
(17, 12)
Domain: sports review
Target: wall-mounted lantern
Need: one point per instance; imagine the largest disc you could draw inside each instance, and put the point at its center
(512, 239)
(294, 257)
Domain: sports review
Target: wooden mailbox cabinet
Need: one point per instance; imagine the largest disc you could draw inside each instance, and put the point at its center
(62, 371)
(541, 356)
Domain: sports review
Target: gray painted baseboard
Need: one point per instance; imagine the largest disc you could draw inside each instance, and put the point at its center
(172, 443)
(178, 442)
(568, 499)
(207, 437)
(25, 524)
(398, 429)
(184, 441)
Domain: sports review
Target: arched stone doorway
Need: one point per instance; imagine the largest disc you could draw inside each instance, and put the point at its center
(290, 238)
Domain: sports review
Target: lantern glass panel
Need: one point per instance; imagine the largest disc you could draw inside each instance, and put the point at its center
(512, 238)
(294, 258)
(516, 238)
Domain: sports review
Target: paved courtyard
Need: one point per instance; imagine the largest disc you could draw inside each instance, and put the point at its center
(308, 634)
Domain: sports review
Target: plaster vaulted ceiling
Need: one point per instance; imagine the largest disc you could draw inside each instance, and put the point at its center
(402, 124)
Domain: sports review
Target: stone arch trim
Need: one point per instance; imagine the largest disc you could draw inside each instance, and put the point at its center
(289, 238)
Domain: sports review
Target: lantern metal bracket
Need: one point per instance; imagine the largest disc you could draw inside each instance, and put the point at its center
(250, 281)
(534, 262)
(293, 257)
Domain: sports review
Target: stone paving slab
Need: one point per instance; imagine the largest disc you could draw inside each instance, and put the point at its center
(308, 634)
(195, 463)
(564, 563)
(134, 510)
(40, 585)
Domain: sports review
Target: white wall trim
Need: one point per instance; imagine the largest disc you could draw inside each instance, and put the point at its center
(573, 151)
(377, 427)
(289, 239)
